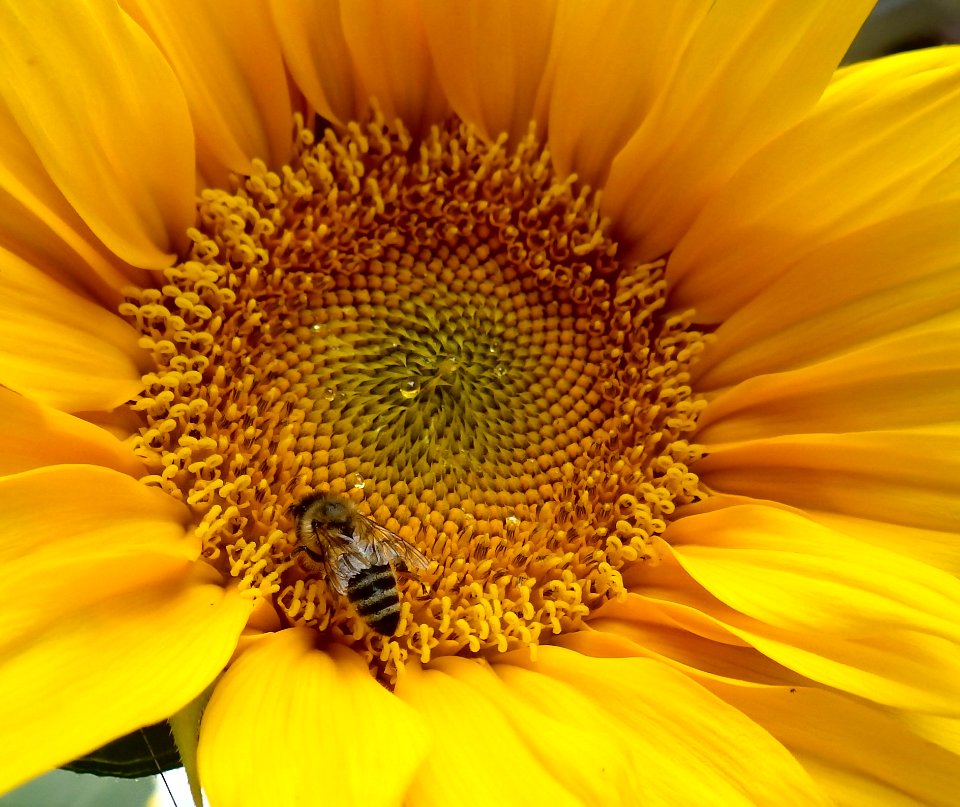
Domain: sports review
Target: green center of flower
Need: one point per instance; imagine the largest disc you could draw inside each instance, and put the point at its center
(443, 333)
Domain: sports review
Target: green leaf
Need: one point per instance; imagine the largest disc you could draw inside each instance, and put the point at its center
(144, 752)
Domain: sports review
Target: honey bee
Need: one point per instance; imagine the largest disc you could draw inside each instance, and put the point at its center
(357, 557)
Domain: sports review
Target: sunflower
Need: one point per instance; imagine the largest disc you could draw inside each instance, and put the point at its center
(637, 320)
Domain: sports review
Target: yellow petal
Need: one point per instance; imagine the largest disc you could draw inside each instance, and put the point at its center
(491, 56)
(851, 292)
(856, 83)
(576, 746)
(854, 751)
(109, 668)
(911, 379)
(938, 548)
(860, 79)
(59, 348)
(40, 226)
(909, 477)
(322, 727)
(106, 623)
(34, 435)
(943, 731)
(613, 59)
(227, 59)
(75, 534)
(472, 731)
(646, 631)
(685, 745)
(106, 117)
(390, 53)
(316, 53)
(900, 669)
(120, 422)
(787, 571)
(749, 72)
(846, 166)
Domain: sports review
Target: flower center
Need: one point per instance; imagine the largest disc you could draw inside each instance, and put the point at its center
(441, 332)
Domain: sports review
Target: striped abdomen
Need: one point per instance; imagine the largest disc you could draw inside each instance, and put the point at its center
(374, 594)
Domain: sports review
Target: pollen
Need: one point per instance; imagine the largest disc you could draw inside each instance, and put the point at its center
(443, 331)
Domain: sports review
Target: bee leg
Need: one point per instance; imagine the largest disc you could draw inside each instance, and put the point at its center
(308, 559)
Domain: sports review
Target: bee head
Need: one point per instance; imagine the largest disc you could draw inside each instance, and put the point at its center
(310, 502)
(299, 508)
(324, 507)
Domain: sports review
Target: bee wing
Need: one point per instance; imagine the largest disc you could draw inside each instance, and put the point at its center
(388, 547)
(342, 559)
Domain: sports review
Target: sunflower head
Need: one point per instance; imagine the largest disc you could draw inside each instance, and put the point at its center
(443, 331)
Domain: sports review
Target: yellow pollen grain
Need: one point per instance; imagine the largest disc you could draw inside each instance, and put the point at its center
(442, 331)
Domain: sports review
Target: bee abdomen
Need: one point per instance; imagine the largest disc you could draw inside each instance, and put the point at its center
(374, 594)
